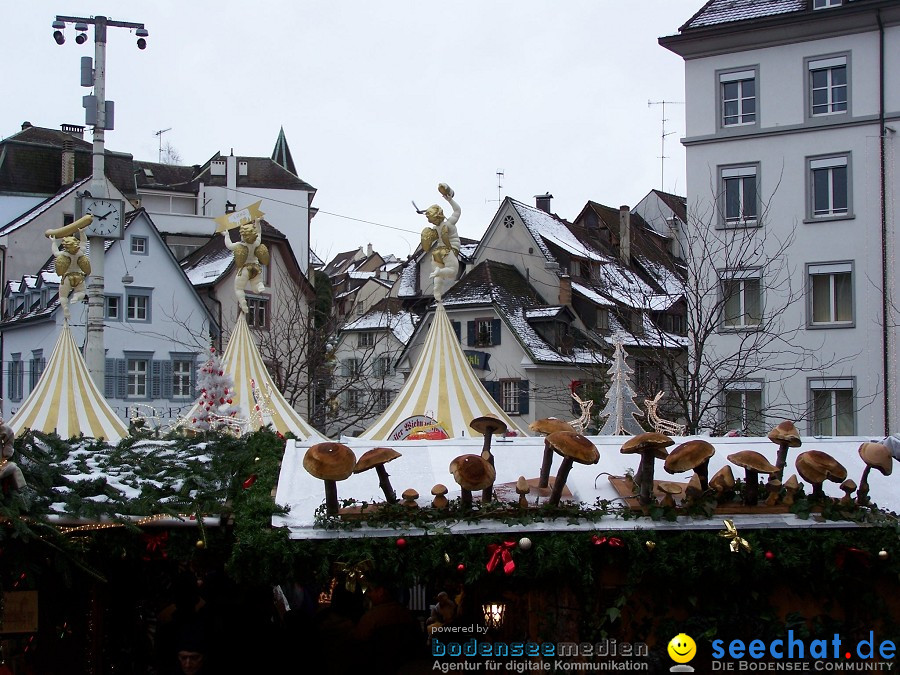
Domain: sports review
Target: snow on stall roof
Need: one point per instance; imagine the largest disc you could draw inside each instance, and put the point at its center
(401, 324)
(726, 11)
(546, 228)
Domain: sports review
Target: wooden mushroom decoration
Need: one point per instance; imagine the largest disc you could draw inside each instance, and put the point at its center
(876, 456)
(693, 491)
(848, 486)
(692, 455)
(669, 489)
(650, 445)
(791, 486)
(754, 463)
(785, 434)
(409, 498)
(330, 462)
(488, 425)
(723, 483)
(471, 473)
(815, 467)
(547, 426)
(376, 458)
(773, 487)
(522, 489)
(440, 500)
(573, 447)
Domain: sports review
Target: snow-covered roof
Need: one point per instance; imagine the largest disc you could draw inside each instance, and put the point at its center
(409, 277)
(30, 280)
(725, 11)
(401, 324)
(360, 275)
(652, 337)
(43, 207)
(543, 312)
(210, 268)
(547, 228)
(592, 295)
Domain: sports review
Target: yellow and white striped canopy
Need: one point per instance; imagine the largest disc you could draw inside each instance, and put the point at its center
(243, 362)
(442, 384)
(66, 400)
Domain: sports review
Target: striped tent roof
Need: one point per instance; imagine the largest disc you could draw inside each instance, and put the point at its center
(243, 362)
(443, 385)
(66, 400)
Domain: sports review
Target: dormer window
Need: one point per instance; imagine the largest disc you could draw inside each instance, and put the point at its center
(825, 4)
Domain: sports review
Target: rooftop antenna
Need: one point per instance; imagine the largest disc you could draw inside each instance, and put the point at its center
(662, 154)
(500, 176)
(159, 134)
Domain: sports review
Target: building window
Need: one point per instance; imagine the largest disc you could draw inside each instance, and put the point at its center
(738, 91)
(139, 245)
(828, 86)
(382, 366)
(647, 378)
(829, 187)
(137, 305)
(16, 379)
(354, 399)
(112, 307)
(509, 396)
(744, 409)
(831, 294)
(182, 377)
(351, 368)
(137, 378)
(483, 332)
(383, 399)
(603, 319)
(37, 367)
(258, 312)
(824, 4)
(366, 339)
(740, 201)
(741, 299)
(508, 221)
(832, 407)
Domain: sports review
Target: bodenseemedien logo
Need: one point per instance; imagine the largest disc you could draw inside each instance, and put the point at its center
(682, 649)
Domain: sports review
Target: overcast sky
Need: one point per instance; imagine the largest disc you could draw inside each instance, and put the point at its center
(381, 101)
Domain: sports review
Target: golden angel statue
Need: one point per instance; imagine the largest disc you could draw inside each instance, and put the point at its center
(250, 254)
(442, 240)
(72, 265)
(9, 470)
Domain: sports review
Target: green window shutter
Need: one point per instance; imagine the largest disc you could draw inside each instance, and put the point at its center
(121, 378)
(166, 379)
(470, 333)
(495, 332)
(109, 379)
(155, 379)
(457, 328)
(523, 397)
(493, 388)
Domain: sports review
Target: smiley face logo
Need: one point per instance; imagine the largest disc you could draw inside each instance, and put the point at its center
(682, 648)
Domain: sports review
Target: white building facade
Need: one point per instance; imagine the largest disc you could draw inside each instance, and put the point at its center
(792, 109)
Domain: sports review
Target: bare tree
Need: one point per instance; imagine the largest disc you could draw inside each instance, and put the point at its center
(169, 154)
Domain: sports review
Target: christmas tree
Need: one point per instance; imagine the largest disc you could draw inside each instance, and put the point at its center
(215, 406)
(620, 406)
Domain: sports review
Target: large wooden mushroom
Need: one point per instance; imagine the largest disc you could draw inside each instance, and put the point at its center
(650, 445)
(723, 483)
(785, 434)
(573, 447)
(754, 463)
(471, 473)
(876, 456)
(547, 426)
(487, 426)
(815, 467)
(330, 462)
(694, 456)
(376, 458)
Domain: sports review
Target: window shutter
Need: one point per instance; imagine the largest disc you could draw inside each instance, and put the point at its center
(493, 388)
(457, 328)
(470, 333)
(109, 379)
(121, 378)
(194, 379)
(166, 379)
(155, 379)
(345, 369)
(523, 397)
(495, 332)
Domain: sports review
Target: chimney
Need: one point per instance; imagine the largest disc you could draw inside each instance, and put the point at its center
(68, 162)
(565, 290)
(369, 250)
(543, 202)
(625, 235)
(675, 233)
(26, 125)
(75, 130)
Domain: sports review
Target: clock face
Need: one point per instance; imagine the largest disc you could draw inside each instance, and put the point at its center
(107, 217)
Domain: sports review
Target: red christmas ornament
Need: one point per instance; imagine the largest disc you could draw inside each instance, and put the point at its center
(229, 400)
(770, 555)
(222, 400)
(401, 543)
(249, 482)
(461, 567)
(221, 372)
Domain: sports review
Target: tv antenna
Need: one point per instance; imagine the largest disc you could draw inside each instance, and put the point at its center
(500, 176)
(662, 153)
(159, 134)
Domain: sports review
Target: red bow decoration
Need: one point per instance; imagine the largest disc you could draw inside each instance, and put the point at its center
(607, 541)
(501, 552)
(155, 543)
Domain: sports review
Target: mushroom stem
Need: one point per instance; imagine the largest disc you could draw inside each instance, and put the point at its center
(385, 482)
(818, 491)
(702, 471)
(465, 498)
(862, 495)
(560, 481)
(646, 477)
(751, 488)
(781, 460)
(488, 492)
(331, 500)
(544, 479)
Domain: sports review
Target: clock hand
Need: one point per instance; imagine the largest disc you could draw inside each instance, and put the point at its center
(103, 217)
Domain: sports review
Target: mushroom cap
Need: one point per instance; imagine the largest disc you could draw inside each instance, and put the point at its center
(752, 460)
(669, 487)
(575, 446)
(522, 486)
(329, 461)
(488, 424)
(694, 488)
(472, 472)
(375, 457)
(786, 433)
(649, 440)
(815, 466)
(792, 483)
(410, 494)
(439, 489)
(723, 479)
(689, 455)
(848, 485)
(548, 425)
(878, 456)
(773, 485)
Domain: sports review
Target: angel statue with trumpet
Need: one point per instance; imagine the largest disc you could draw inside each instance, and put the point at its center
(442, 241)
